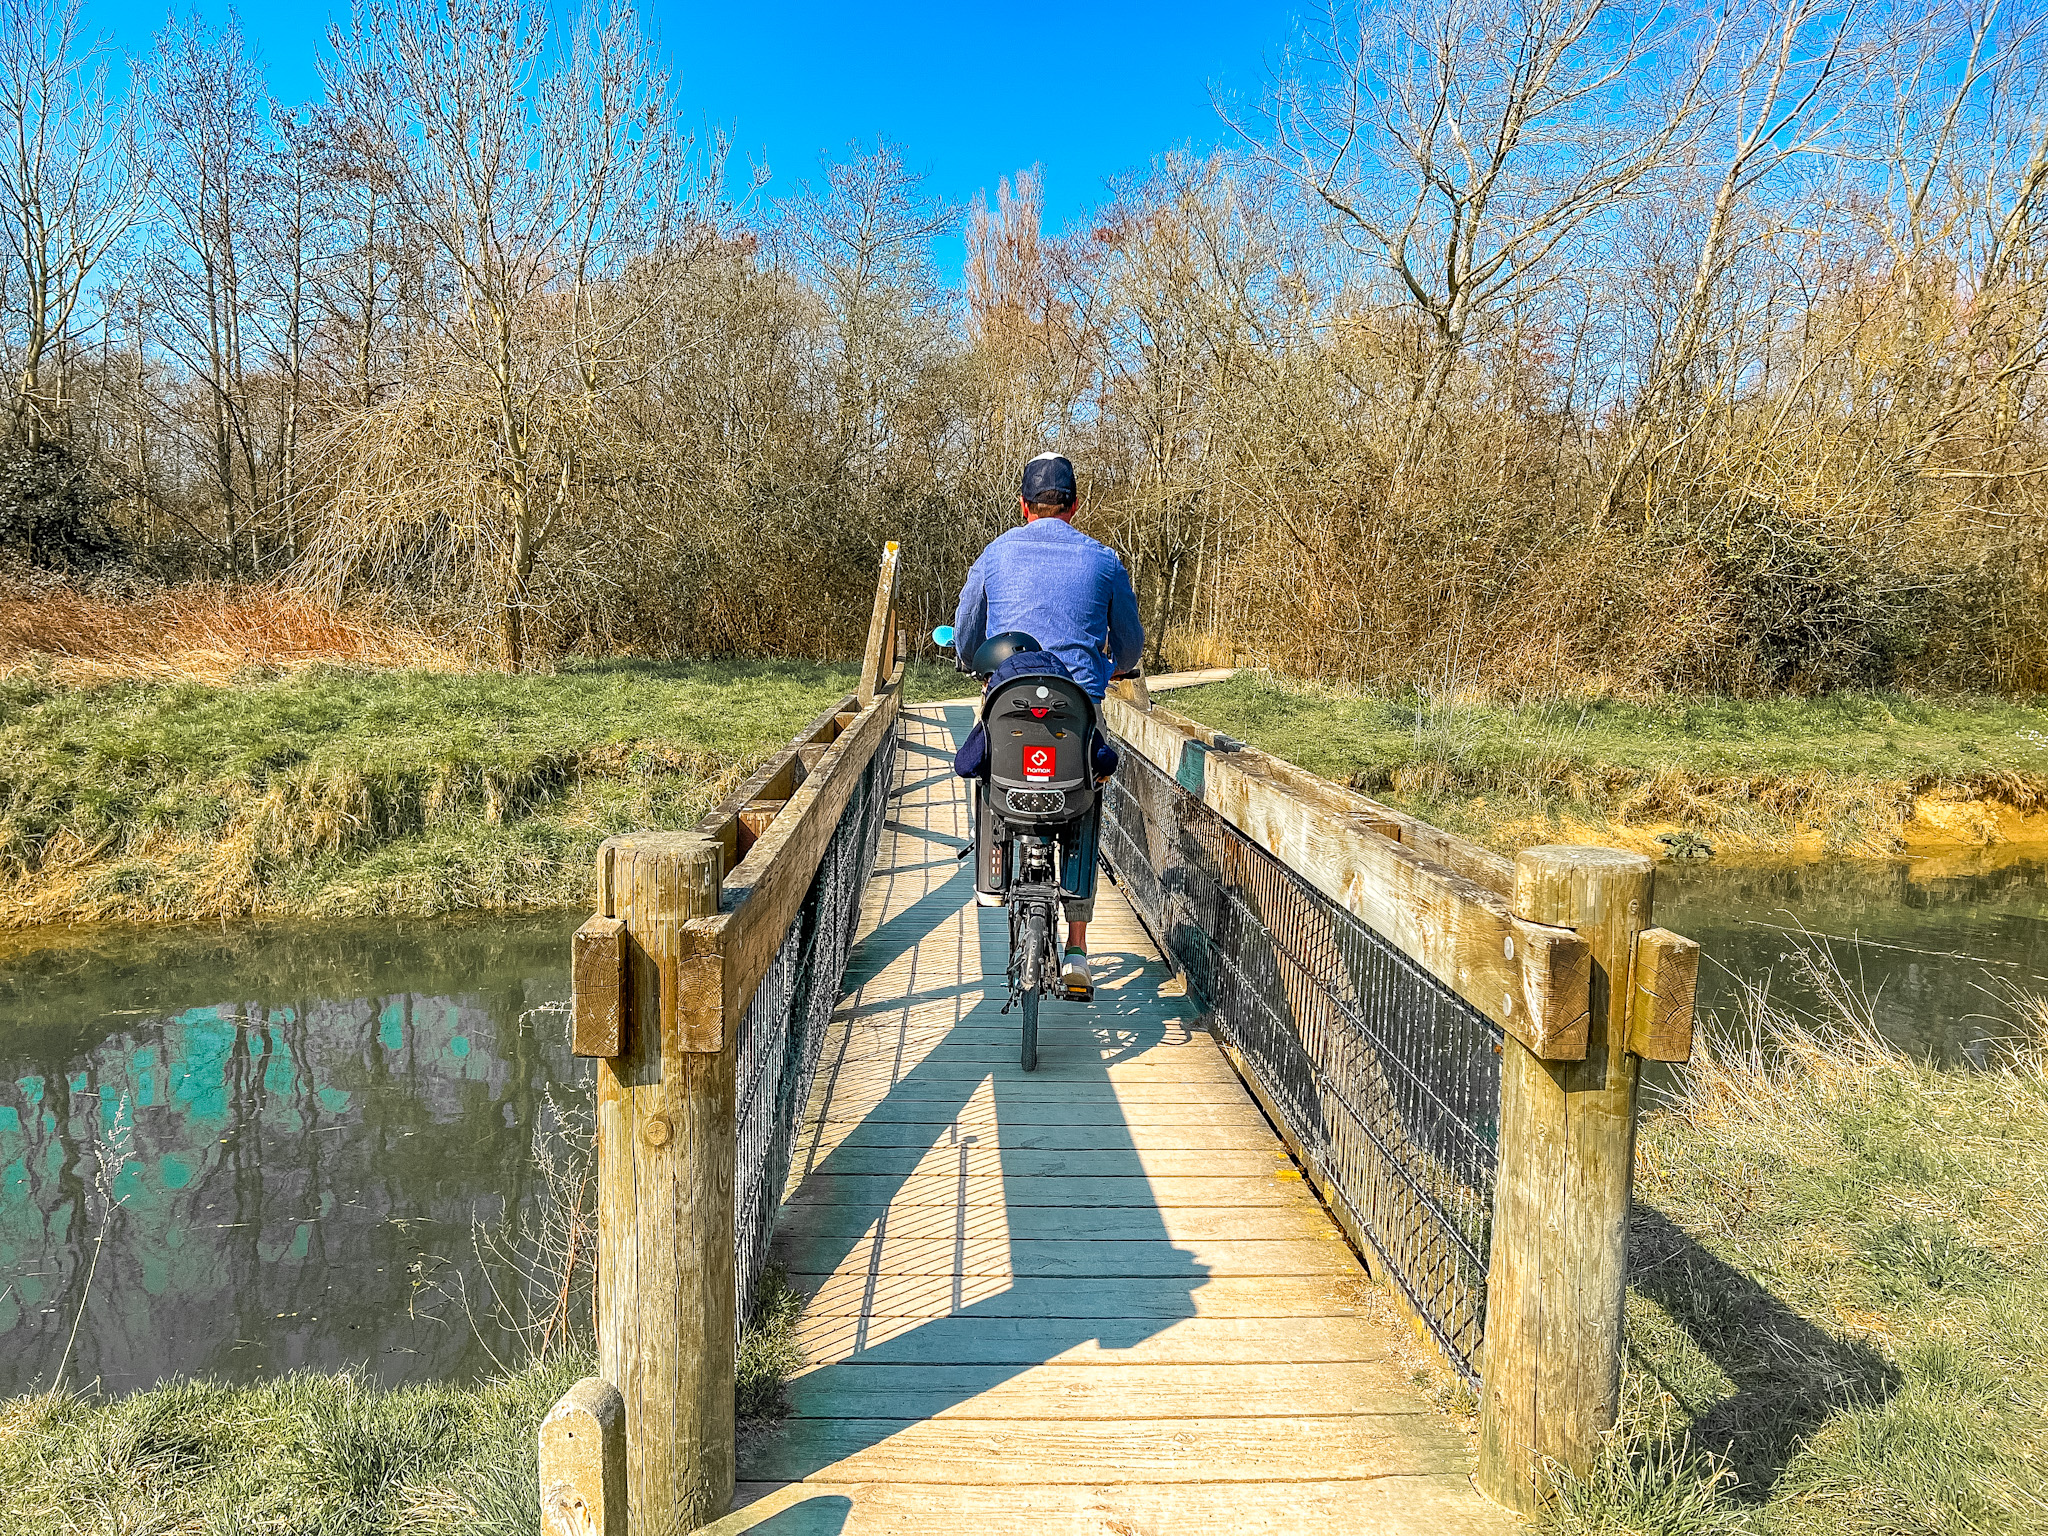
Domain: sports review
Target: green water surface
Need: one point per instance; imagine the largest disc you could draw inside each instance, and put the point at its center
(233, 1151)
(1937, 947)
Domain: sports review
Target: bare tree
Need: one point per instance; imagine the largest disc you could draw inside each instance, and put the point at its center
(1189, 323)
(1464, 143)
(1032, 360)
(1775, 100)
(1961, 131)
(476, 339)
(296, 237)
(211, 269)
(69, 191)
(864, 239)
(530, 178)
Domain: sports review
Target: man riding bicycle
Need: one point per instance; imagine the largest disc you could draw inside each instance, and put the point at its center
(1072, 595)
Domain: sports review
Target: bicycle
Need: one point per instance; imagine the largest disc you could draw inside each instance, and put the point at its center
(1039, 728)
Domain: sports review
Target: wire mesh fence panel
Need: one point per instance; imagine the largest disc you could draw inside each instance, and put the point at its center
(1388, 1081)
(783, 1028)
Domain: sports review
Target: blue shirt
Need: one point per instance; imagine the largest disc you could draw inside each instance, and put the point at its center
(1069, 593)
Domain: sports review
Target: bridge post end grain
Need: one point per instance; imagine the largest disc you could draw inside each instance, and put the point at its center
(1667, 974)
(1132, 691)
(665, 1131)
(583, 1462)
(1557, 1279)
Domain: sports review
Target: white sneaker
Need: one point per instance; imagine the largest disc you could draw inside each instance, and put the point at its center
(1075, 981)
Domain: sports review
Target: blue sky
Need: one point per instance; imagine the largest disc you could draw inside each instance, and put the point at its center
(972, 94)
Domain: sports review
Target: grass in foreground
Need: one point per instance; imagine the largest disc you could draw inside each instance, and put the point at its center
(769, 1353)
(1839, 1317)
(321, 1453)
(306, 1452)
(1843, 772)
(351, 792)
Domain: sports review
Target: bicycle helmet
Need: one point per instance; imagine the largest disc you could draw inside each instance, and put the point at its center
(997, 649)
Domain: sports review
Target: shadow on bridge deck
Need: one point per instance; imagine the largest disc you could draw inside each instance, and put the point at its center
(1092, 1298)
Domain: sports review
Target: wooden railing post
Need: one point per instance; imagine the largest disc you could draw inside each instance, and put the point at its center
(583, 1462)
(1132, 691)
(1558, 1277)
(880, 657)
(666, 1149)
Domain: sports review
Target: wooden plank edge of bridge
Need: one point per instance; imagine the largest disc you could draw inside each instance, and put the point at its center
(1443, 900)
(1478, 864)
(763, 894)
(1080, 1509)
(1557, 1276)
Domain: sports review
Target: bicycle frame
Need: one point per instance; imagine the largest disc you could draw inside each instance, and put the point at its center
(1033, 900)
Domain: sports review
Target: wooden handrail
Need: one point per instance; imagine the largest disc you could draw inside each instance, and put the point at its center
(880, 656)
(764, 890)
(1530, 978)
(1482, 866)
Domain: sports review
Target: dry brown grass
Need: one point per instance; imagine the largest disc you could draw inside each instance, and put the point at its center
(203, 632)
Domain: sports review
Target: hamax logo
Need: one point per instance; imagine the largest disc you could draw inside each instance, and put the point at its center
(1038, 762)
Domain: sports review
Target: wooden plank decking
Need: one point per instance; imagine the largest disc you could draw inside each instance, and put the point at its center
(1094, 1298)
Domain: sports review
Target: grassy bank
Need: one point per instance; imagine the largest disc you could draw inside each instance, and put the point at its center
(1839, 1318)
(1849, 773)
(306, 1452)
(327, 1453)
(330, 791)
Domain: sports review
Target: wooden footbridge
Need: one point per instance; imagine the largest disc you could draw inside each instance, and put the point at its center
(1351, 1116)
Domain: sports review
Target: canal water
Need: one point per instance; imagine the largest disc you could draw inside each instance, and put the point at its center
(1937, 946)
(232, 1151)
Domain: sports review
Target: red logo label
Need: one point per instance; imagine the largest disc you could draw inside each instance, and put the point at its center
(1038, 762)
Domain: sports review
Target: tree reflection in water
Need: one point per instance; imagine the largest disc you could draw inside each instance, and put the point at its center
(313, 1116)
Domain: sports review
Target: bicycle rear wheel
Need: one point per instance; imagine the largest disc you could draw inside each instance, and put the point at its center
(1031, 962)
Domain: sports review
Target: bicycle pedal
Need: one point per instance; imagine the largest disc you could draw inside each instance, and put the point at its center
(1075, 994)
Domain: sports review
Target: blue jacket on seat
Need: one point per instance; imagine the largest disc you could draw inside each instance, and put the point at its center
(971, 761)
